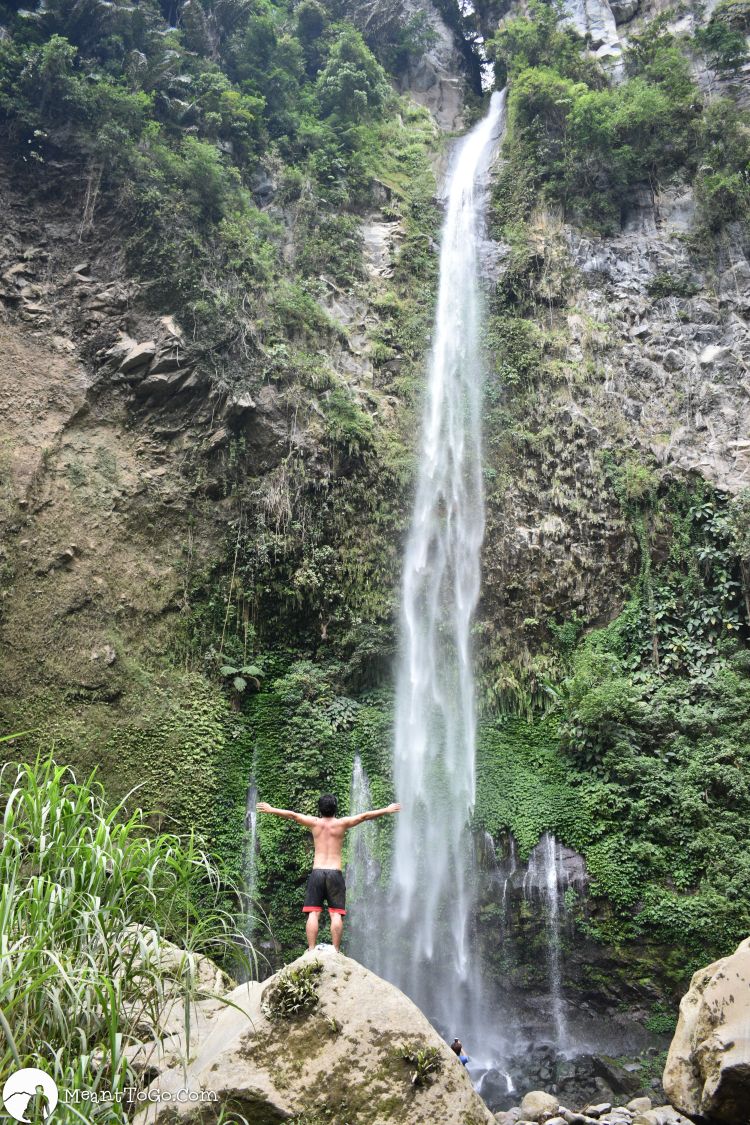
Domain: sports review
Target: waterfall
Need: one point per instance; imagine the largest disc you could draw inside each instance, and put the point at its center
(510, 866)
(362, 868)
(249, 857)
(509, 873)
(547, 879)
(430, 954)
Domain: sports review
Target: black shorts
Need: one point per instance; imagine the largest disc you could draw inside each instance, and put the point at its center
(325, 884)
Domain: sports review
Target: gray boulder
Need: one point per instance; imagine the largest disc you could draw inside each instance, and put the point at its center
(138, 356)
(708, 1066)
(538, 1105)
(344, 1054)
(663, 1115)
(623, 10)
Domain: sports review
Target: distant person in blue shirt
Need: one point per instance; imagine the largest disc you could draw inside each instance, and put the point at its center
(458, 1048)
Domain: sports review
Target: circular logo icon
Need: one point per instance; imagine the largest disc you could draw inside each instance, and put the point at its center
(30, 1095)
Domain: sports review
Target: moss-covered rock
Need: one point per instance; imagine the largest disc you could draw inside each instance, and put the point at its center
(350, 1056)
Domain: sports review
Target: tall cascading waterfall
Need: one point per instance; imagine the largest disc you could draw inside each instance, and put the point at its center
(428, 951)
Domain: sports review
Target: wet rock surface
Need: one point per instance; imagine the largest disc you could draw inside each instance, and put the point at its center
(572, 1018)
(580, 1079)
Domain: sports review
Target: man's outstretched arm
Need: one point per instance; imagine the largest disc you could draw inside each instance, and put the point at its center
(287, 814)
(373, 814)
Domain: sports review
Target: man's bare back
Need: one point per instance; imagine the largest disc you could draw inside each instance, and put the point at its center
(328, 834)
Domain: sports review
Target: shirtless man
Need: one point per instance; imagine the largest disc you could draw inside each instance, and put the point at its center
(326, 882)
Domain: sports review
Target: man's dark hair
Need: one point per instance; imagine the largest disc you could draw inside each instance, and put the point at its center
(328, 805)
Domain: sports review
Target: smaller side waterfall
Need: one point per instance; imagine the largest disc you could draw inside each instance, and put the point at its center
(509, 872)
(362, 868)
(546, 880)
(249, 857)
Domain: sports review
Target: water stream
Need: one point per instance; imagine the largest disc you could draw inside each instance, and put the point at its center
(362, 867)
(429, 954)
(545, 880)
(249, 857)
(420, 934)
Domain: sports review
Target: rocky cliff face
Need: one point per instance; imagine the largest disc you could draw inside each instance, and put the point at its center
(652, 348)
(437, 79)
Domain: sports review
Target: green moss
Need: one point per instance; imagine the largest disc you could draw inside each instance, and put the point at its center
(177, 754)
(523, 785)
(669, 285)
(662, 1020)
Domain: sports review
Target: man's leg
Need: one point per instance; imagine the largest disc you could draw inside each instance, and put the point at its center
(337, 929)
(311, 928)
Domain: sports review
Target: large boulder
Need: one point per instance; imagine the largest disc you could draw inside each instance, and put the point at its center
(359, 1049)
(538, 1105)
(708, 1066)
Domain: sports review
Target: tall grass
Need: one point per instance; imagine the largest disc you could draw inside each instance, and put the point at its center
(80, 980)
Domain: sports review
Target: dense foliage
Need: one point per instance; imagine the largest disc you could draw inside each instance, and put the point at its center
(179, 118)
(584, 143)
(643, 764)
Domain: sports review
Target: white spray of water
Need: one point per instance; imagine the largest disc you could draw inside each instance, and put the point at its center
(546, 877)
(433, 865)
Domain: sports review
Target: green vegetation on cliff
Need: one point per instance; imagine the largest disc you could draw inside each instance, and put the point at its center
(180, 118)
(579, 141)
(642, 762)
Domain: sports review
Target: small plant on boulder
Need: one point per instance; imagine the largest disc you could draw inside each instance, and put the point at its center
(295, 991)
(426, 1062)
